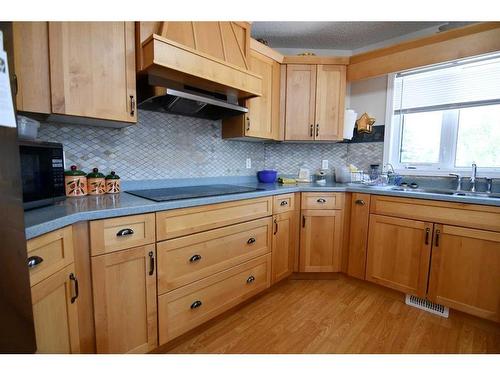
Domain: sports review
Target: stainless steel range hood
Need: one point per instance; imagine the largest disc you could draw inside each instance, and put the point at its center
(155, 94)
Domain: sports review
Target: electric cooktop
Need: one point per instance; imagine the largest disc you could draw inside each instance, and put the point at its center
(187, 192)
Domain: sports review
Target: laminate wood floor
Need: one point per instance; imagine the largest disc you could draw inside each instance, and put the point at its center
(343, 315)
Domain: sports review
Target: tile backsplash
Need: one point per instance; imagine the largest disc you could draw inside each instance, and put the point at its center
(163, 146)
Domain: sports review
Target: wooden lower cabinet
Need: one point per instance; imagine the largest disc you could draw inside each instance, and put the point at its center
(185, 308)
(465, 270)
(283, 245)
(321, 241)
(358, 235)
(399, 253)
(124, 285)
(55, 313)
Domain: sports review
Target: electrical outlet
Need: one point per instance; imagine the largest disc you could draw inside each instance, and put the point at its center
(249, 163)
(324, 164)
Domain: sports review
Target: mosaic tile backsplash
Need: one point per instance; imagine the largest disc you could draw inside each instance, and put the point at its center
(165, 146)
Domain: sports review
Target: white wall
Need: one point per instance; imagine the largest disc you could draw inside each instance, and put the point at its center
(369, 96)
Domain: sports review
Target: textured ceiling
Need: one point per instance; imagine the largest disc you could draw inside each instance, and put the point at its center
(333, 35)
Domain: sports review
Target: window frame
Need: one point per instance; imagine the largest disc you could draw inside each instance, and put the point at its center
(449, 137)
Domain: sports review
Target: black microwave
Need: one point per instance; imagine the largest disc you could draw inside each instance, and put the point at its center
(42, 173)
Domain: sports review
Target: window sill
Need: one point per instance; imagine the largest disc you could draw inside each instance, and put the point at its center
(481, 173)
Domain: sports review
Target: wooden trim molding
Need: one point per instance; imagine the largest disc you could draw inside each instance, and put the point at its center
(266, 51)
(467, 41)
(316, 60)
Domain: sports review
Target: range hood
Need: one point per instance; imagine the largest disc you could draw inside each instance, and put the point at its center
(158, 95)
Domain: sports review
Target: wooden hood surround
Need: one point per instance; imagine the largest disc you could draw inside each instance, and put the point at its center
(208, 55)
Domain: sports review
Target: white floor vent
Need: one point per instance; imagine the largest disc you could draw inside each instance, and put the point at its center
(425, 305)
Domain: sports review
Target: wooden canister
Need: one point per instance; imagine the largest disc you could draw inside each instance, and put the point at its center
(112, 183)
(75, 182)
(96, 182)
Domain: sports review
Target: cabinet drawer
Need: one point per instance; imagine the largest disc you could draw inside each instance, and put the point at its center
(189, 306)
(283, 203)
(190, 258)
(322, 201)
(50, 253)
(176, 223)
(120, 233)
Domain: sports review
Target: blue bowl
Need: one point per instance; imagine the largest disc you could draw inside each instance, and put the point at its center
(267, 175)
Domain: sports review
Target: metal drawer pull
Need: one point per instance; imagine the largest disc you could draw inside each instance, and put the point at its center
(248, 123)
(34, 261)
(321, 200)
(276, 226)
(361, 202)
(284, 203)
(196, 304)
(250, 279)
(311, 133)
(438, 232)
(125, 232)
(195, 258)
(132, 105)
(73, 278)
(317, 130)
(427, 232)
(251, 241)
(151, 263)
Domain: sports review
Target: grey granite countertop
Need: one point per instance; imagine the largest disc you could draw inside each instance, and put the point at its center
(42, 220)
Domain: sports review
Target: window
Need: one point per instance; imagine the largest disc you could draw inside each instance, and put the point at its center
(446, 117)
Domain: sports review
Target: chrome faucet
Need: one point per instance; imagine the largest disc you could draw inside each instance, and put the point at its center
(489, 184)
(473, 177)
(459, 180)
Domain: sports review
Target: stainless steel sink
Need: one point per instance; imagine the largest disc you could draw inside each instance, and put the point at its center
(449, 192)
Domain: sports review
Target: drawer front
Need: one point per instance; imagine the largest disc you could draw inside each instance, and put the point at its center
(176, 223)
(283, 203)
(191, 258)
(460, 214)
(120, 233)
(49, 253)
(322, 201)
(189, 306)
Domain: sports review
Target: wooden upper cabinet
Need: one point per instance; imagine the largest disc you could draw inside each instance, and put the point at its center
(399, 253)
(300, 102)
(314, 102)
(31, 64)
(92, 70)
(465, 270)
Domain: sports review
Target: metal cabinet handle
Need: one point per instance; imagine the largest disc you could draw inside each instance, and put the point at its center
(132, 105)
(427, 232)
(311, 131)
(275, 226)
(321, 200)
(284, 203)
(34, 261)
(151, 263)
(438, 233)
(125, 232)
(317, 130)
(196, 304)
(73, 278)
(16, 85)
(303, 221)
(361, 202)
(195, 258)
(251, 241)
(250, 279)
(248, 123)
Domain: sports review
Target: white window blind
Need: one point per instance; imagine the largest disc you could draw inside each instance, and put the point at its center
(461, 84)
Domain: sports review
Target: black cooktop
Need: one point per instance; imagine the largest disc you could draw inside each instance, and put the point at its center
(186, 192)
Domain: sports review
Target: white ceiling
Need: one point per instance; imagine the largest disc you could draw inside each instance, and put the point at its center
(336, 35)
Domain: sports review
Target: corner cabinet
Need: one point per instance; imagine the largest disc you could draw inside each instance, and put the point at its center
(314, 102)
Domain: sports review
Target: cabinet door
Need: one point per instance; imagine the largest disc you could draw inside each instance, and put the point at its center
(31, 62)
(399, 253)
(358, 235)
(262, 117)
(300, 102)
(330, 93)
(92, 69)
(55, 313)
(465, 270)
(321, 241)
(124, 285)
(283, 246)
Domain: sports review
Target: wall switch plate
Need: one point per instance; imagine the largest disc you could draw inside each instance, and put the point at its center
(324, 164)
(249, 163)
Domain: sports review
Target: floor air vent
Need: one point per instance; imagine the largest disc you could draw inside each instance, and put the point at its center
(425, 305)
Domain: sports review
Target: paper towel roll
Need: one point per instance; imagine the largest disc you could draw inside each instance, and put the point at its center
(349, 123)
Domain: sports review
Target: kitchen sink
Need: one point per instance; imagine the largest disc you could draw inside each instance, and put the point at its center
(449, 192)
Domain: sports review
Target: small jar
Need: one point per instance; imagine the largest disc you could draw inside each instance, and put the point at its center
(75, 182)
(96, 182)
(112, 183)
